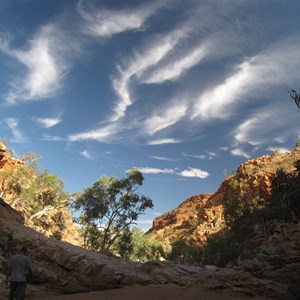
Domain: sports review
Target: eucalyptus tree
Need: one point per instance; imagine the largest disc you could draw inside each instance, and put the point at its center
(109, 206)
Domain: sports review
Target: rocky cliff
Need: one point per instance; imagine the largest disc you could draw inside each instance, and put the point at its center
(203, 215)
(49, 218)
(273, 253)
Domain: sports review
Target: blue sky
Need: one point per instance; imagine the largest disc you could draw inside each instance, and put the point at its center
(180, 89)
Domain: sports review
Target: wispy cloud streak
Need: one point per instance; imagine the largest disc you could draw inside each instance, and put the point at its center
(105, 22)
(177, 66)
(239, 152)
(252, 77)
(102, 134)
(45, 67)
(87, 154)
(13, 125)
(265, 126)
(141, 61)
(167, 118)
(47, 122)
(163, 141)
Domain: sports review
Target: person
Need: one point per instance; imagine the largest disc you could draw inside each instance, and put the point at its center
(19, 269)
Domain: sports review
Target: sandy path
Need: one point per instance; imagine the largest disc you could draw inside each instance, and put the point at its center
(151, 292)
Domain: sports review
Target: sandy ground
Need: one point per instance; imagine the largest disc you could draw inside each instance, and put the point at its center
(151, 292)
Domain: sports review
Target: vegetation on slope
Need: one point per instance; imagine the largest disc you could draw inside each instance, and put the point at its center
(246, 205)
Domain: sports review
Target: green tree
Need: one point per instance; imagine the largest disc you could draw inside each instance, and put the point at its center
(145, 249)
(141, 246)
(124, 244)
(284, 202)
(111, 205)
(32, 160)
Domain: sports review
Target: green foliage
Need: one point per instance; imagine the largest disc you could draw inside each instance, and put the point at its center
(135, 245)
(249, 170)
(241, 217)
(234, 183)
(124, 245)
(92, 236)
(220, 249)
(32, 160)
(179, 251)
(35, 193)
(284, 203)
(276, 152)
(143, 248)
(57, 235)
(297, 145)
(109, 206)
(185, 252)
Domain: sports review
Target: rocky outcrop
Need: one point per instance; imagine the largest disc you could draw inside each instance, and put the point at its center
(68, 268)
(274, 257)
(7, 161)
(278, 256)
(195, 219)
(50, 215)
(61, 268)
(202, 215)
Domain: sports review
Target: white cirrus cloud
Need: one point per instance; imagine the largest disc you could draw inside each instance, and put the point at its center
(198, 156)
(162, 158)
(167, 118)
(245, 132)
(194, 172)
(277, 65)
(101, 135)
(47, 122)
(216, 103)
(44, 69)
(175, 68)
(50, 138)
(13, 125)
(239, 152)
(87, 154)
(279, 149)
(265, 126)
(105, 22)
(164, 141)
(148, 170)
(46, 59)
(154, 52)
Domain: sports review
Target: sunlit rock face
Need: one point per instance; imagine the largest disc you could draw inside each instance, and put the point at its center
(202, 215)
(277, 256)
(8, 167)
(7, 161)
(69, 268)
